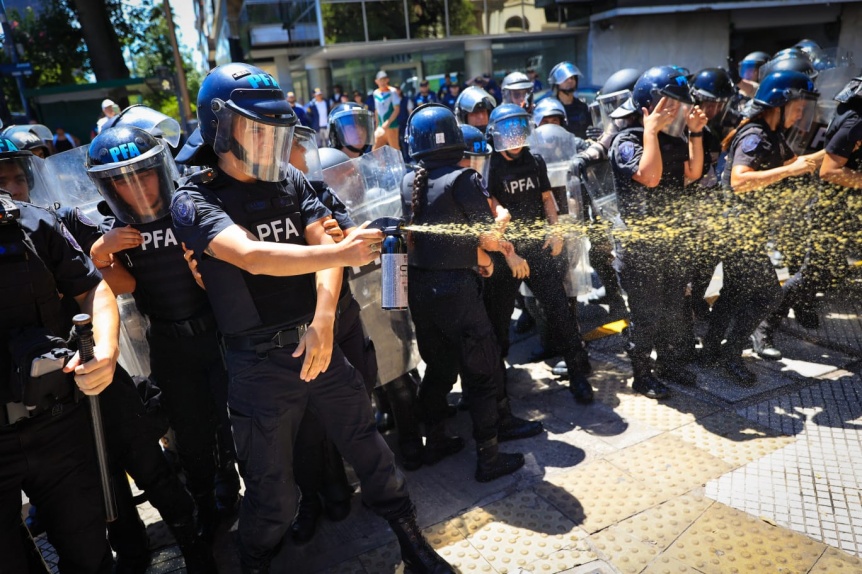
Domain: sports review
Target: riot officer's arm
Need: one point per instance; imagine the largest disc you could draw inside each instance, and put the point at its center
(696, 121)
(318, 340)
(95, 375)
(237, 246)
(744, 178)
(834, 170)
(102, 253)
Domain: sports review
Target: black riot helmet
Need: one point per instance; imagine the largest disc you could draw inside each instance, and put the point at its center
(659, 82)
(244, 116)
(131, 169)
(473, 99)
(750, 65)
(620, 80)
(23, 175)
(616, 91)
(713, 89)
(351, 126)
(791, 59)
(852, 92)
(517, 89)
(432, 129)
(28, 141)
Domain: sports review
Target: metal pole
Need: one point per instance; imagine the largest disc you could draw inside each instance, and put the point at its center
(446, 8)
(365, 20)
(13, 55)
(487, 17)
(319, 13)
(406, 20)
(183, 90)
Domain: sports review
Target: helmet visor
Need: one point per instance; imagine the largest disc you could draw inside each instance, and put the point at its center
(608, 103)
(305, 156)
(261, 148)
(680, 111)
(748, 70)
(481, 164)
(25, 177)
(517, 97)
(596, 114)
(138, 190)
(511, 133)
(151, 121)
(354, 128)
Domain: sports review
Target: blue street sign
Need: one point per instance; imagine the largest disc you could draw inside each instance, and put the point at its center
(19, 69)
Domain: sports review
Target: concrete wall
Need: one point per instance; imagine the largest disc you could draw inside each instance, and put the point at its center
(850, 38)
(694, 41)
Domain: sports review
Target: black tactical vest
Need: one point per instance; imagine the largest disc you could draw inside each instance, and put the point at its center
(252, 304)
(843, 113)
(28, 296)
(770, 160)
(438, 207)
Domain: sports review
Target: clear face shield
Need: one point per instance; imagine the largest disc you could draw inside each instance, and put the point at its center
(596, 115)
(25, 176)
(260, 146)
(799, 118)
(355, 128)
(749, 70)
(138, 190)
(680, 112)
(517, 97)
(608, 103)
(151, 121)
(305, 156)
(511, 133)
(480, 163)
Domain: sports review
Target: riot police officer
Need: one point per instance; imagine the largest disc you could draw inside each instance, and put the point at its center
(757, 156)
(473, 107)
(519, 181)
(842, 163)
(550, 111)
(651, 163)
(712, 90)
(563, 80)
(273, 278)
(452, 329)
(133, 172)
(517, 89)
(45, 439)
(351, 129)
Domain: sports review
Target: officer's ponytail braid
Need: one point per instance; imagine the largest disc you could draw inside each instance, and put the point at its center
(725, 143)
(420, 188)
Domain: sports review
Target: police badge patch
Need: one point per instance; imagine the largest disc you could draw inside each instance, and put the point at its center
(627, 151)
(750, 143)
(82, 217)
(70, 238)
(183, 210)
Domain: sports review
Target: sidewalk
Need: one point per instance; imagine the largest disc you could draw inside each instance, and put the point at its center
(716, 479)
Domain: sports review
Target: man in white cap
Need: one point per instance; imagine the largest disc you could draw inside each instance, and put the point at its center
(387, 103)
(109, 109)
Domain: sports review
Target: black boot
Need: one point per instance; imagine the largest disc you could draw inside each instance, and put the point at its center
(208, 516)
(580, 387)
(676, 372)
(305, 524)
(401, 393)
(761, 343)
(511, 427)
(492, 464)
(645, 383)
(438, 445)
(411, 453)
(735, 367)
(196, 550)
(417, 554)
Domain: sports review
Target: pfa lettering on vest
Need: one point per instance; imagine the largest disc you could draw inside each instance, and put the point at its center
(519, 185)
(277, 231)
(158, 239)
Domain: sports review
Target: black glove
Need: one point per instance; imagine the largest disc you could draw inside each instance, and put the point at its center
(594, 133)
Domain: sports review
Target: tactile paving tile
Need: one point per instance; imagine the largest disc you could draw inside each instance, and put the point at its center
(667, 565)
(664, 523)
(598, 494)
(521, 531)
(834, 561)
(629, 554)
(609, 385)
(662, 415)
(732, 438)
(386, 558)
(451, 544)
(669, 464)
(352, 566)
(724, 540)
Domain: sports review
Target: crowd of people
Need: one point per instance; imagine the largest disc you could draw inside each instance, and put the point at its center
(259, 359)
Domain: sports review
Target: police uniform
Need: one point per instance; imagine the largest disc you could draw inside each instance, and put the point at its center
(518, 186)
(262, 319)
(50, 454)
(578, 118)
(185, 358)
(653, 274)
(133, 427)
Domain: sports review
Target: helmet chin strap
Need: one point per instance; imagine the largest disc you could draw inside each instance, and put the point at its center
(357, 150)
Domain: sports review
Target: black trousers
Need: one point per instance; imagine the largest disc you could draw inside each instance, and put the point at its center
(52, 458)
(132, 436)
(546, 283)
(318, 466)
(267, 403)
(455, 336)
(193, 380)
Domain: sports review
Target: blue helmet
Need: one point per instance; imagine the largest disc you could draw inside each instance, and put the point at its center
(791, 59)
(330, 156)
(620, 80)
(780, 88)
(473, 99)
(243, 111)
(549, 107)
(562, 72)
(658, 82)
(509, 127)
(712, 85)
(133, 172)
(750, 64)
(432, 128)
(351, 126)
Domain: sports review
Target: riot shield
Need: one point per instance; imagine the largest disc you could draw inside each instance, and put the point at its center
(598, 181)
(72, 186)
(370, 187)
(557, 147)
(828, 82)
(134, 349)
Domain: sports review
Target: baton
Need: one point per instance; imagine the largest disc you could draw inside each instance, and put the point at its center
(84, 331)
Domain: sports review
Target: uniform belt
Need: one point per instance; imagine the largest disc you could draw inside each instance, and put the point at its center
(12, 413)
(183, 329)
(263, 343)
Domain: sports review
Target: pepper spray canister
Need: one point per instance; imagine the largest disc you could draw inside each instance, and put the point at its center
(393, 259)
